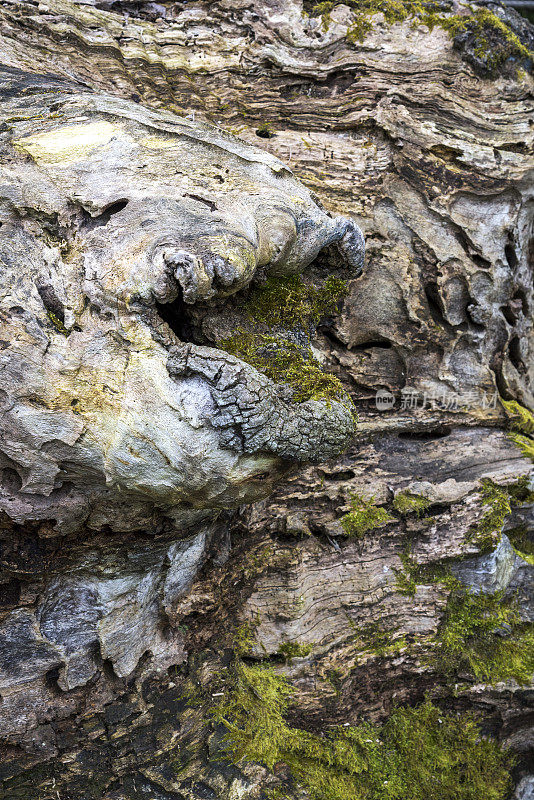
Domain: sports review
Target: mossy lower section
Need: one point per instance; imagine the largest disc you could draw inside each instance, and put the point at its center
(487, 41)
(483, 635)
(282, 315)
(419, 753)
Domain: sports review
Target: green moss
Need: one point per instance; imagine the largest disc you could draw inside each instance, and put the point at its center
(522, 543)
(288, 305)
(244, 639)
(291, 650)
(522, 423)
(487, 533)
(284, 362)
(525, 444)
(520, 491)
(419, 753)
(407, 503)
(377, 640)
(482, 634)
(492, 41)
(521, 418)
(406, 578)
(291, 303)
(364, 516)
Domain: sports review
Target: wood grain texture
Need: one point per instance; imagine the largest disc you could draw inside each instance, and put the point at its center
(434, 163)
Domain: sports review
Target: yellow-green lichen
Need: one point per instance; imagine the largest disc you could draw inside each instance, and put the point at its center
(491, 41)
(483, 635)
(291, 650)
(364, 516)
(68, 143)
(486, 534)
(522, 423)
(56, 322)
(408, 503)
(418, 753)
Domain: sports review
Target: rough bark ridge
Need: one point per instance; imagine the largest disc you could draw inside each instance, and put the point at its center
(113, 642)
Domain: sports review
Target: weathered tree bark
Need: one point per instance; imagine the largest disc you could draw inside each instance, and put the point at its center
(129, 442)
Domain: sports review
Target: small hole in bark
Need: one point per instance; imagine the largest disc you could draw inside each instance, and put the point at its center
(264, 133)
(481, 262)
(509, 315)
(104, 217)
(51, 679)
(521, 296)
(51, 301)
(427, 435)
(176, 317)
(384, 344)
(511, 256)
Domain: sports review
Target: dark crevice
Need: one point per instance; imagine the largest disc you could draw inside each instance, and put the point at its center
(51, 301)
(383, 344)
(481, 262)
(514, 351)
(104, 217)
(211, 205)
(51, 680)
(467, 245)
(496, 368)
(511, 256)
(426, 435)
(177, 318)
(435, 306)
(9, 594)
(509, 315)
(265, 133)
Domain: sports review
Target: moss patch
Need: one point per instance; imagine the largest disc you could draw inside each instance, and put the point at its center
(377, 640)
(364, 516)
(486, 41)
(407, 503)
(285, 362)
(291, 650)
(522, 423)
(419, 753)
(406, 578)
(482, 634)
(487, 533)
(283, 314)
(291, 303)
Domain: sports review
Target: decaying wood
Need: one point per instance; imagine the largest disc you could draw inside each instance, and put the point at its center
(125, 566)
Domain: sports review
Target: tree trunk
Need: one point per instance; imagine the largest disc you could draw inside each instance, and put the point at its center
(161, 498)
